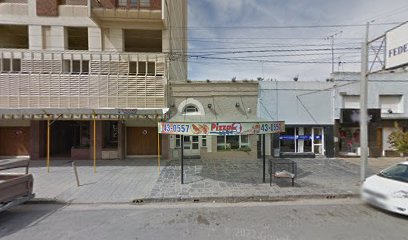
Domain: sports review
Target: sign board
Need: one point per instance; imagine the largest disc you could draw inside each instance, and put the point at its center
(397, 47)
(352, 116)
(221, 128)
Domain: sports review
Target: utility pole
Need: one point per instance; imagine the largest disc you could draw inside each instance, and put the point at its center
(363, 107)
(331, 37)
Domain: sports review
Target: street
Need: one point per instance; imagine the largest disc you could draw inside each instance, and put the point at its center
(303, 219)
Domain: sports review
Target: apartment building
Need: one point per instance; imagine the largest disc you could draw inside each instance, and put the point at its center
(85, 73)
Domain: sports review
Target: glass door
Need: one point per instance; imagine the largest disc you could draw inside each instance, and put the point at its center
(191, 145)
(318, 141)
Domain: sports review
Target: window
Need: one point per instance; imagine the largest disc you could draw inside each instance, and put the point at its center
(122, 3)
(190, 109)
(133, 3)
(78, 66)
(145, 3)
(178, 141)
(143, 68)
(110, 134)
(232, 142)
(351, 101)
(204, 141)
(77, 38)
(391, 104)
(132, 68)
(220, 142)
(5, 65)
(8, 65)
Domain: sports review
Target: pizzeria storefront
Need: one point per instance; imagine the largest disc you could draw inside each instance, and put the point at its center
(217, 140)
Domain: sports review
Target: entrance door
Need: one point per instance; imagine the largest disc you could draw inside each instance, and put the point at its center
(318, 141)
(191, 145)
(141, 141)
(14, 141)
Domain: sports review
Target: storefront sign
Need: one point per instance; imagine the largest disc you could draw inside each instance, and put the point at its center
(299, 137)
(352, 116)
(218, 128)
(397, 47)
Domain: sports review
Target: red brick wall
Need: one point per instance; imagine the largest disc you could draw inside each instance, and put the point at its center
(47, 8)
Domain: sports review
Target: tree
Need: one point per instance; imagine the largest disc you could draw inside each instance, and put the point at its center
(399, 140)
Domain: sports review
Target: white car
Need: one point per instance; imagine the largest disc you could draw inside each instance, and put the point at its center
(388, 189)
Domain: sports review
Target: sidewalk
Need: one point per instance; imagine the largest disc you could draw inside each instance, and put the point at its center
(113, 182)
(221, 180)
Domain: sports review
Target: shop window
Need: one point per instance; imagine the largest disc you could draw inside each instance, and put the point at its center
(178, 141)
(220, 142)
(110, 134)
(232, 142)
(245, 140)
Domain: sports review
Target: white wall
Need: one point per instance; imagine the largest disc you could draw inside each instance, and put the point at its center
(379, 84)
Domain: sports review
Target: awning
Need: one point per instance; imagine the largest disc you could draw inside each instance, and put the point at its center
(201, 125)
(81, 113)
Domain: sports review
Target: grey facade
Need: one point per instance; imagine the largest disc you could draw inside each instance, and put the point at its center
(308, 111)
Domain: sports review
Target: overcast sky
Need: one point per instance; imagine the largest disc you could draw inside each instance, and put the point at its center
(219, 53)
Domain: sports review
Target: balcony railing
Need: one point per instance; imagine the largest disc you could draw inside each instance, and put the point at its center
(81, 79)
(129, 4)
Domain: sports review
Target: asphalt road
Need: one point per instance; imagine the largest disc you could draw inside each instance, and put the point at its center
(307, 219)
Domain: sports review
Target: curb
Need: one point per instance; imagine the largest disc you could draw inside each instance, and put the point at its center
(244, 199)
(230, 199)
(46, 201)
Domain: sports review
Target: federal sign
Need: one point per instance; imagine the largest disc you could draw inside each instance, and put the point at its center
(221, 128)
(397, 47)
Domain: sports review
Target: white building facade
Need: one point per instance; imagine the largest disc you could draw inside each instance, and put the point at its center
(78, 60)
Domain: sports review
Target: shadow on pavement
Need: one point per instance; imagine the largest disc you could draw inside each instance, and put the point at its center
(25, 216)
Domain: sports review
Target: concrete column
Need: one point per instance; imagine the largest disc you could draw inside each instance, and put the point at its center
(32, 8)
(165, 40)
(58, 38)
(209, 143)
(35, 39)
(121, 140)
(114, 39)
(94, 39)
(165, 146)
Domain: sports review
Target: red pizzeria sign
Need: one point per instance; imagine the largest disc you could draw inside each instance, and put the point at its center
(221, 128)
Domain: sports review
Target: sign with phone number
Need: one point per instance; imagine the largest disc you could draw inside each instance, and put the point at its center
(221, 128)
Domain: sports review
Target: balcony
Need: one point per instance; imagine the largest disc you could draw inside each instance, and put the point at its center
(14, 7)
(81, 79)
(127, 10)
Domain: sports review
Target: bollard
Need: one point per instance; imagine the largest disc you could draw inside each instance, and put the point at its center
(76, 173)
